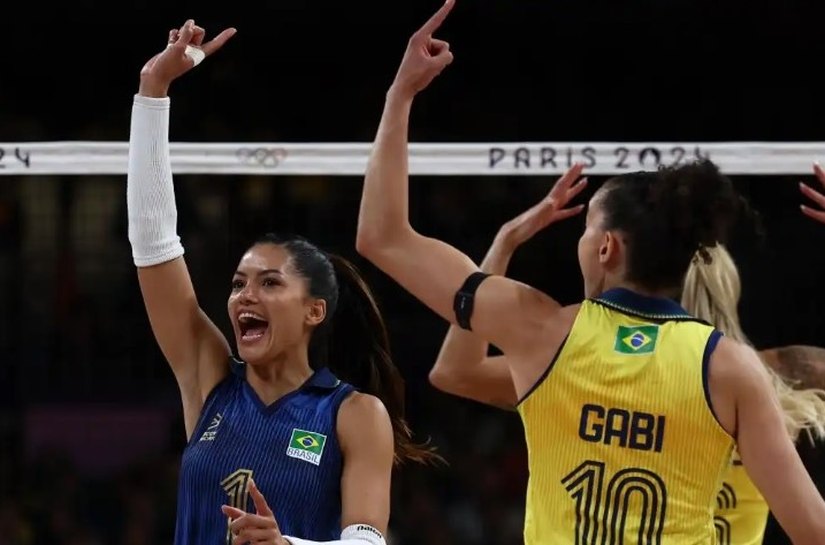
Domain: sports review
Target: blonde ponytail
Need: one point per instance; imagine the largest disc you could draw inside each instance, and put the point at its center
(711, 292)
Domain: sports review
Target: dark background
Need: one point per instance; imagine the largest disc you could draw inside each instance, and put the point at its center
(91, 431)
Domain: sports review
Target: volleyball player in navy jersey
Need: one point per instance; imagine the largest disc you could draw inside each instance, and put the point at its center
(276, 423)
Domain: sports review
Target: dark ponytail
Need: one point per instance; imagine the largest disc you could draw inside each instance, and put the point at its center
(360, 344)
(670, 216)
(353, 341)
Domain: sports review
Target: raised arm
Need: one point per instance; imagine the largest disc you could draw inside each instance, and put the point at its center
(194, 347)
(509, 314)
(463, 367)
(768, 454)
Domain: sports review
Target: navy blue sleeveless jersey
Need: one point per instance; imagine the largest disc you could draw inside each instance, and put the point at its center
(289, 448)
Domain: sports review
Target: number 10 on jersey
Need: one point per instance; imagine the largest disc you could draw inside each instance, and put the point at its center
(602, 511)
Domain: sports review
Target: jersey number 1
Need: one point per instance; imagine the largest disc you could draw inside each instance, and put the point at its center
(236, 486)
(594, 503)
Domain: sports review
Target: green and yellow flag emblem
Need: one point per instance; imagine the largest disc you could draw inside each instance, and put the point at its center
(637, 339)
(306, 445)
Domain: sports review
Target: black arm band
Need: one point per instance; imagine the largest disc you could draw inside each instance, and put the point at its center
(464, 298)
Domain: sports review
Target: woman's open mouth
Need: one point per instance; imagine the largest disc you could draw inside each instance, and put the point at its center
(252, 326)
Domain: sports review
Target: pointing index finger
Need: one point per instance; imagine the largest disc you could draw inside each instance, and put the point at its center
(261, 507)
(438, 18)
(217, 42)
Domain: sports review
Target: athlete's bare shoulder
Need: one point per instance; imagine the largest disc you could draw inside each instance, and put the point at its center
(803, 365)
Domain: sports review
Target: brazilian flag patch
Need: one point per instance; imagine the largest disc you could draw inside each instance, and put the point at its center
(640, 339)
(306, 445)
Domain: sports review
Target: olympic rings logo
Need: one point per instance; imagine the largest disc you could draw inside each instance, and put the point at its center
(265, 157)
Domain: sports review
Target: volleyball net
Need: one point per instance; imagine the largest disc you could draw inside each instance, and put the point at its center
(63, 231)
(432, 159)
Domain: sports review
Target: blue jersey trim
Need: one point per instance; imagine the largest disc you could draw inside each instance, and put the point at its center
(635, 304)
(322, 378)
(713, 340)
(546, 372)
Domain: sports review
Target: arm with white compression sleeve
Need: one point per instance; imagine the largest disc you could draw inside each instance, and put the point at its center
(195, 348)
(355, 534)
(150, 194)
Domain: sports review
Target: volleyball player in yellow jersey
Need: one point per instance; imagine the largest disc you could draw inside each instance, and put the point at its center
(630, 406)
(711, 292)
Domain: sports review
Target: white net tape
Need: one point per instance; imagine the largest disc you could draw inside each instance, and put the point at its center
(437, 159)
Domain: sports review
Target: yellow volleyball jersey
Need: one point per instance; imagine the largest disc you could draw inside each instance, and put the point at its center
(741, 511)
(623, 446)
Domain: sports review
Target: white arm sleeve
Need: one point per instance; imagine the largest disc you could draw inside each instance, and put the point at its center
(355, 534)
(150, 195)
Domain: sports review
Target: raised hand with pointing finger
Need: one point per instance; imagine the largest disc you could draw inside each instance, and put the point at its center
(260, 527)
(425, 57)
(185, 50)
